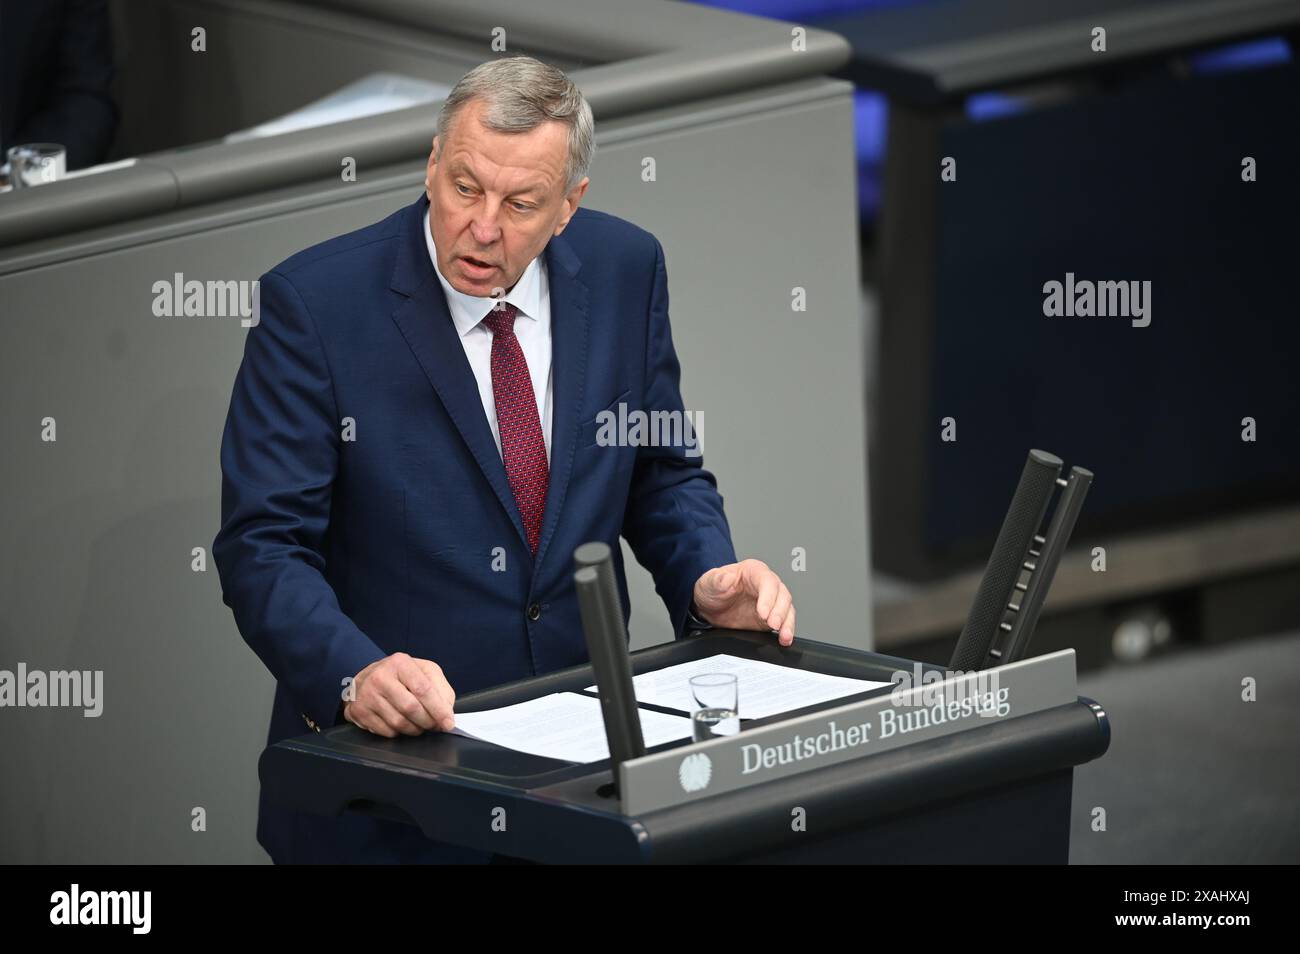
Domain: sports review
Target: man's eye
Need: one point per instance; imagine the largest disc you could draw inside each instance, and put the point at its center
(463, 190)
(521, 207)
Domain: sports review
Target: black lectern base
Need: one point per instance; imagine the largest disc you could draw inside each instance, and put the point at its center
(996, 793)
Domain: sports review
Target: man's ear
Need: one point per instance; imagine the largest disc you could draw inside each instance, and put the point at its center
(571, 203)
(430, 168)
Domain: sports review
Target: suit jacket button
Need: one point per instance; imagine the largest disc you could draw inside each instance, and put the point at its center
(535, 612)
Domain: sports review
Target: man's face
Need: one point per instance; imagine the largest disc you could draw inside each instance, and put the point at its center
(496, 199)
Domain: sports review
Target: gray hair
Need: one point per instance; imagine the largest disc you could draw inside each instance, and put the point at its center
(520, 93)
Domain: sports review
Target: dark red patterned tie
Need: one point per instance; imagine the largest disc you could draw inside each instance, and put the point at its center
(522, 446)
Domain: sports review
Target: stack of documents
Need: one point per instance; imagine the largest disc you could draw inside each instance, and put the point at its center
(568, 726)
(563, 725)
(376, 93)
(765, 689)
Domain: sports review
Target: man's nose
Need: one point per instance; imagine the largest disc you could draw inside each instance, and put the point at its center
(484, 227)
(485, 236)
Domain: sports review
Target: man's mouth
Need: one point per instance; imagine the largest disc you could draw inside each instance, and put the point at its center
(478, 263)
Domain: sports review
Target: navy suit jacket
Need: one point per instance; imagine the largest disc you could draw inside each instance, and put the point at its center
(340, 547)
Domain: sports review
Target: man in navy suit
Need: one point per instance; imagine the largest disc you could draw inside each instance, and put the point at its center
(417, 442)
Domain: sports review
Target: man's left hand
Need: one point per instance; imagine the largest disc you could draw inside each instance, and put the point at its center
(746, 595)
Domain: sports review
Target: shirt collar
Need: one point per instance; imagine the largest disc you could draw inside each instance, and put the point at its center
(468, 310)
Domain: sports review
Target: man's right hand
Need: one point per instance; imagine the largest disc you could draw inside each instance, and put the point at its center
(400, 694)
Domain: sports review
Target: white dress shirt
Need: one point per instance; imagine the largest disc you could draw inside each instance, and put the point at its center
(532, 296)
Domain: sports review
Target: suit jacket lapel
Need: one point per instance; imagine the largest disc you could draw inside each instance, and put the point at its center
(425, 322)
(569, 332)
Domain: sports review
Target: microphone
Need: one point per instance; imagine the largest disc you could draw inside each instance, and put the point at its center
(1028, 505)
(1002, 592)
(1049, 555)
(606, 635)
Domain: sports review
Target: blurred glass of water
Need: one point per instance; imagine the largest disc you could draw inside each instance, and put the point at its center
(716, 710)
(36, 163)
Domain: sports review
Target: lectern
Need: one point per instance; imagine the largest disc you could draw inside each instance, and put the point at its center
(984, 789)
(938, 765)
